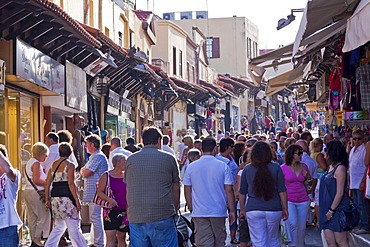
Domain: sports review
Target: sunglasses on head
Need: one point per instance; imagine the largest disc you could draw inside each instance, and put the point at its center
(357, 138)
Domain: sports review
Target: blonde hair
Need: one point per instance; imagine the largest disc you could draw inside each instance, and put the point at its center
(188, 140)
(39, 149)
(316, 145)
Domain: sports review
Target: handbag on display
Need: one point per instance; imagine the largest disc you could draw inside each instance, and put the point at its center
(101, 202)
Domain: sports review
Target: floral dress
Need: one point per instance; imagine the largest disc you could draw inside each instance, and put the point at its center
(62, 207)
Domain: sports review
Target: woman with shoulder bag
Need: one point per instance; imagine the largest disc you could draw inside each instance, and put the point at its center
(115, 219)
(36, 211)
(333, 194)
(64, 201)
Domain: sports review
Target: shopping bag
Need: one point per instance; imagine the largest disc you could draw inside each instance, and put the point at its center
(286, 236)
(367, 191)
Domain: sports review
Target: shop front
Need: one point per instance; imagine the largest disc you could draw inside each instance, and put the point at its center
(118, 115)
(31, 75)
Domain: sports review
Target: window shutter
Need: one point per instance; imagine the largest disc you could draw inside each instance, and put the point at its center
(216, 48)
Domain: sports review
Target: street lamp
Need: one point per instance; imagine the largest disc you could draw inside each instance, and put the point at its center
(285, 22)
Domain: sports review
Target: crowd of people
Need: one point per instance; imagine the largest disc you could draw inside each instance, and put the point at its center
(257, 181)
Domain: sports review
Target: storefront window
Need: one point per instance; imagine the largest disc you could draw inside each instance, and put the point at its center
(22, 133)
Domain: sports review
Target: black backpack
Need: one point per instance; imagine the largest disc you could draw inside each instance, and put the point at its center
(185, 231)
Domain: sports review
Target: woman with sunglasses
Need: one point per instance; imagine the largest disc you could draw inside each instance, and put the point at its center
(295, 174)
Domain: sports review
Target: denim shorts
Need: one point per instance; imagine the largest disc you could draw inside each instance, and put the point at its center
(160, 233)
(9, 236)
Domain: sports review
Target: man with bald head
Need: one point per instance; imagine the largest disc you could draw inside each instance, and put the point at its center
(116, 148)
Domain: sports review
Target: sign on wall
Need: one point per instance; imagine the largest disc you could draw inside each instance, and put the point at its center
(35, 66)
(76, 95)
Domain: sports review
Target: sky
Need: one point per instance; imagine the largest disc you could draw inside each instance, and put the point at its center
(264, 13)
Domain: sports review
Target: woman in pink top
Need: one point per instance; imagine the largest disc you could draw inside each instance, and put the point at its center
(295, 175)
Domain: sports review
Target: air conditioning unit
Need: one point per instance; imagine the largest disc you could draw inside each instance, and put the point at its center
(169, 16)
(202, 14)
(188, 15)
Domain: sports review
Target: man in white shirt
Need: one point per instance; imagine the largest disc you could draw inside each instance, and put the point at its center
(165, 147)
(357, 169)
(116, 148)
(52, 141)
(208, 186)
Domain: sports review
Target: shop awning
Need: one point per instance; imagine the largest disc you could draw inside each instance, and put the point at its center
(321, 13)
(322, 101)
(282, 81)
(357, 32)
(48, 28)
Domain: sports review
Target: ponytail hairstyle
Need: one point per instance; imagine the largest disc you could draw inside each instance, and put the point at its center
(263, 183)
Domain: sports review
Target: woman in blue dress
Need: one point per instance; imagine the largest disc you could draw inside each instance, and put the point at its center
(334, 194)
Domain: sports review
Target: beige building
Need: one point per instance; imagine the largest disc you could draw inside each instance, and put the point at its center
(230, 43)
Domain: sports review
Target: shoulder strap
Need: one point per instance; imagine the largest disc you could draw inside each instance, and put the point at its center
(58, 167)
(29, 180)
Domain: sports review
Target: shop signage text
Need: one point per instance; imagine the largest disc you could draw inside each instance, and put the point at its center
(35, 66)
(76, 95)
(118, 105)
(200, 111)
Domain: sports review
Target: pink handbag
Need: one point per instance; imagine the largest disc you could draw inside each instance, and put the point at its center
(101, 202)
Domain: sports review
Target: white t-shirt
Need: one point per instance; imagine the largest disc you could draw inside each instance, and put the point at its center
(52, 156)
(29, 173)
(208, 176)
(357, 166)
(8, 201)
(118, 150)
(168, 149)
(311, 164)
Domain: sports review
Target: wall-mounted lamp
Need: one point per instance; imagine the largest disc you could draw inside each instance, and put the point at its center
(285, 22)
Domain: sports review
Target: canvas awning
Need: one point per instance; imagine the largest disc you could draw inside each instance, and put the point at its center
(357, 32)
(282, 81)
(319, 14)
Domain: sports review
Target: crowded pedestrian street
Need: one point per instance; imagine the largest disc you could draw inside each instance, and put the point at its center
(197, 123)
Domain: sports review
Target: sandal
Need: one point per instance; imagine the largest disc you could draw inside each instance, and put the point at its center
(234, 241)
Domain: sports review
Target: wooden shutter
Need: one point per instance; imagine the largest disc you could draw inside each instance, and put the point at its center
(215, 47)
